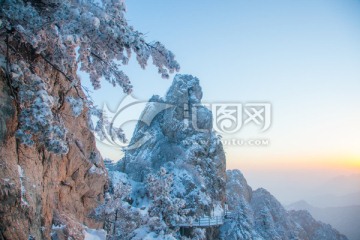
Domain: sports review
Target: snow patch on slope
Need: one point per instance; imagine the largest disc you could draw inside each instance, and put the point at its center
(23, 190)
(94, 234)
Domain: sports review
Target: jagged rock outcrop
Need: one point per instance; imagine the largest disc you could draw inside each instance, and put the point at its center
(258, 215)
(44, 195)
(179, 137)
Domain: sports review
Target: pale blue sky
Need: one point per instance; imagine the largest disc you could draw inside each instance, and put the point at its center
(303, 56)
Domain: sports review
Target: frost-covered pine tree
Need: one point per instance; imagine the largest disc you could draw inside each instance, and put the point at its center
(156, 217)
(66, 35)
(165, 208)
(119, 217)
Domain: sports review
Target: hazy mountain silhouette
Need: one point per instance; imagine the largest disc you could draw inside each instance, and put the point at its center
(346, 219)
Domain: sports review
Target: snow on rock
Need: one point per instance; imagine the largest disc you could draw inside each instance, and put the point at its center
(218, 210)
(76, 104)
(22, 187)
(117, 177)
(146, 234)
(55, 227)
(94, 234)
(181, 142)
(96, 170)
(194, 156)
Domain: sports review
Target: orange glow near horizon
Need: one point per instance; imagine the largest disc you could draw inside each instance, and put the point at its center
(350, 164)
(260, 161)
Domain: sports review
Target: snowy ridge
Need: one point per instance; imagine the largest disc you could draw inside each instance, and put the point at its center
(177, 175)
(194, 158)
(258, 215)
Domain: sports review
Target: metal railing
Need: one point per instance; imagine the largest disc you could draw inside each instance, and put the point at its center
(204, 222)
(208, 221)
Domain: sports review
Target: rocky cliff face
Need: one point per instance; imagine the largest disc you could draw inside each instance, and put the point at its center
(44, 195)
(258, 215)
(194, 156)
(175, 132)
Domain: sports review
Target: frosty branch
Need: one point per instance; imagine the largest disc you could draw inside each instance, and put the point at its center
(91, 35)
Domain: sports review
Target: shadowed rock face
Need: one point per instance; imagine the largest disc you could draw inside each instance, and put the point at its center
(39, 189)
(182, 141)
(260, 216)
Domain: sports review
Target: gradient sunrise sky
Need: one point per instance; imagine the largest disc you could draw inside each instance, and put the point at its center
(302, 56)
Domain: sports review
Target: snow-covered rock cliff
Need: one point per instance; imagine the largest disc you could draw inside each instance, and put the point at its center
(195, 157)
(258, 215)
(179, 140)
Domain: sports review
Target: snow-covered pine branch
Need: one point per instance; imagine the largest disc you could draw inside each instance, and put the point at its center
(66, 35)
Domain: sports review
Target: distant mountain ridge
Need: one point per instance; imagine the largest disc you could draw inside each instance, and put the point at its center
(345, 219)
(261, 216)
(340, 191)
(333, 200)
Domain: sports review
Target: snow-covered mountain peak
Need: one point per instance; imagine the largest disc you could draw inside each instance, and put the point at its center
(184, 89)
